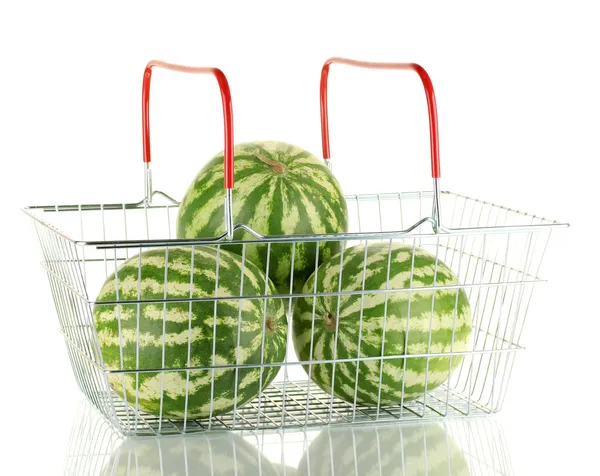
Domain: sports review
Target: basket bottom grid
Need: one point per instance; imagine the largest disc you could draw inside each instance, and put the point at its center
(297, 404)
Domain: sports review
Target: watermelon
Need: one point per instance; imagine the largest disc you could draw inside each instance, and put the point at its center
(225, 454)
(396, 381)
(280, 189)
(415, 450)
(164, 393)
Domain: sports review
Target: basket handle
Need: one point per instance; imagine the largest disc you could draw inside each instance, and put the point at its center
(429, 93)
(431, 108)
(227, 124)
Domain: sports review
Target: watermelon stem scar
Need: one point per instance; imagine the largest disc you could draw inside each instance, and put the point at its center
(330, 320)
(270, 324)
(277, 167)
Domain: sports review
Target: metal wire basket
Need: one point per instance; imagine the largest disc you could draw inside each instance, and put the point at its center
(495, 252)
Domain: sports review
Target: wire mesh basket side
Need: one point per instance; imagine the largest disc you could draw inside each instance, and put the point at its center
(64, 263)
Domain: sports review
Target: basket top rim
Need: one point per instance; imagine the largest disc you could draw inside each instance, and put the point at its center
(545, 224)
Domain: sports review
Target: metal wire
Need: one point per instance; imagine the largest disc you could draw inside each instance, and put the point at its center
(496, 252)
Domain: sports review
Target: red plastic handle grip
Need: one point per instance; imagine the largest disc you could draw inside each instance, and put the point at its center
(429, 93)
(227, 110)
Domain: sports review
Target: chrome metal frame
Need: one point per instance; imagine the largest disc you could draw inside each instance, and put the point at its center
(495, 251)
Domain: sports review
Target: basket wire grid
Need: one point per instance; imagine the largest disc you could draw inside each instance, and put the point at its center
(496, 252)
(476, 447)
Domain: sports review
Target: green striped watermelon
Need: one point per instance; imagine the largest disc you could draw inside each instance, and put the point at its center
(188, 343)
(217, 454)
(279, 189)
(419, 450)
(327, 317)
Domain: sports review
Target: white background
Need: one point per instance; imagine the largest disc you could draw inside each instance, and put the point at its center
(518, 100)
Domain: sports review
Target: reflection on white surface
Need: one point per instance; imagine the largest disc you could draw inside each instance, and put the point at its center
(451, 448)
(423, 449)
(223, 454)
